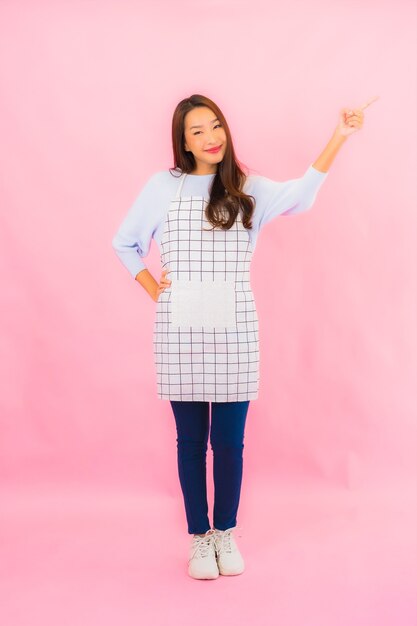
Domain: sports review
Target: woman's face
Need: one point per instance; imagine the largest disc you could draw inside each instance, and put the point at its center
(202, 133)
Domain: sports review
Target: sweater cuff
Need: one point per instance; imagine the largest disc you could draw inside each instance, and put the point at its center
(136, 266)
(316, 174)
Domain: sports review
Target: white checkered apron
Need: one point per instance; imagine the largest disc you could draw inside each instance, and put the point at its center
(205, 337)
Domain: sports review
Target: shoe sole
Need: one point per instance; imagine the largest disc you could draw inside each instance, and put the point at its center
(231, 573)
(205, 577)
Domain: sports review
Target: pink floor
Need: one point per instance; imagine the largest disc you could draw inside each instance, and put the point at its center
(97, 557)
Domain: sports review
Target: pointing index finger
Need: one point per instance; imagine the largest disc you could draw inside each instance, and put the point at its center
(366, 104)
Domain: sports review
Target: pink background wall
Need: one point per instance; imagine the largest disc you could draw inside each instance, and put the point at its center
(87, 451)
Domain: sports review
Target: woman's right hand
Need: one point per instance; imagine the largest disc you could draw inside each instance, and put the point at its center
(163, 284)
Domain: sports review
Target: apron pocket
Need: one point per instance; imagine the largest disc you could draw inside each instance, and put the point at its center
(206, 303)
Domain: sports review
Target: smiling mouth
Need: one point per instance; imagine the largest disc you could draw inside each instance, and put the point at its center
(214, 149)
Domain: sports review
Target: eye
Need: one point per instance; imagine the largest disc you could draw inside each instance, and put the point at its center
(199, 131)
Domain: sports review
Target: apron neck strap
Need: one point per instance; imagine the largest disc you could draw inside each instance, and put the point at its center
(182, 177)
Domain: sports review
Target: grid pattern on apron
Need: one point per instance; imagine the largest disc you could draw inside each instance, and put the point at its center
(206, 336)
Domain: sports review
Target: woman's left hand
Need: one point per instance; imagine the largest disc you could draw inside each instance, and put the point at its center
(351, 120)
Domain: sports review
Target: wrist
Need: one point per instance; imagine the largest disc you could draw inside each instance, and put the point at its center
(338, 138)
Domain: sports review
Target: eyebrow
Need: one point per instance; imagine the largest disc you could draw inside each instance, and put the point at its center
(200, 125)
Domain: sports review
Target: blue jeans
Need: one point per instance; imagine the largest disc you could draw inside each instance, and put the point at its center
(226, 439)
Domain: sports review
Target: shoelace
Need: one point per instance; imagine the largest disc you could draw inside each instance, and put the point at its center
(202, 545)
(222, 540)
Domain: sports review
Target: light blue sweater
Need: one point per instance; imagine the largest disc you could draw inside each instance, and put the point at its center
(146, 217)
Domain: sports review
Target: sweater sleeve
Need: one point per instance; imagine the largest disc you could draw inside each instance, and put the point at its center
(132, 241)
(288, 197)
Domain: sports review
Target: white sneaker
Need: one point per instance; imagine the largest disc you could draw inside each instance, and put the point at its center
(229, 559)
(202, 562)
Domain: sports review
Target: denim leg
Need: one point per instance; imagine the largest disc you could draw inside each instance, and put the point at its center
(228, 421)
(192, 422)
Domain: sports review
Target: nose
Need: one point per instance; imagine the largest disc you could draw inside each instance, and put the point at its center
(212, 139)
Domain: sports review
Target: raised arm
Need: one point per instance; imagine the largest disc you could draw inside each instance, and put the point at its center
(275, 198)
(350, 121)
(298, 194)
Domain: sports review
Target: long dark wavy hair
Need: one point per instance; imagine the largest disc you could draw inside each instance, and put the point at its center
(226, 196)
